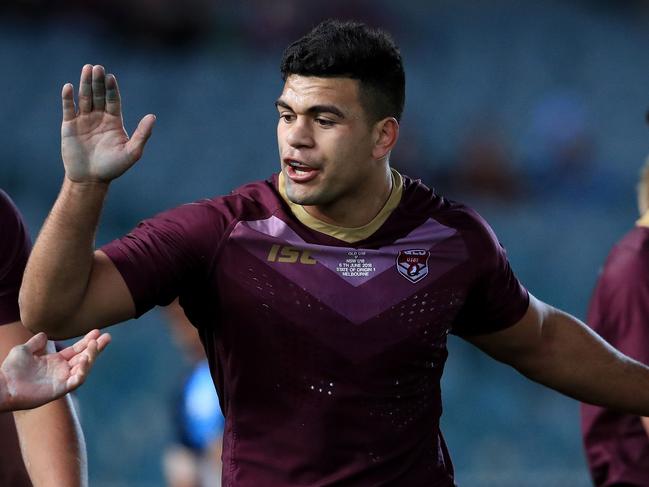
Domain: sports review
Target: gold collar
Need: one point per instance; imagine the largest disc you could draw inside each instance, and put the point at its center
(346, 234)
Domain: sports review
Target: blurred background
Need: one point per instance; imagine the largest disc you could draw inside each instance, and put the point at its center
(530, 111)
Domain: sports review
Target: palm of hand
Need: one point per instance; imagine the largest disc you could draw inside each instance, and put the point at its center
(93, 146)
(35, 378)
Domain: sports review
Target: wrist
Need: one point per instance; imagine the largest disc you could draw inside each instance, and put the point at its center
(85, 186)
(85, 191)
(80, 202)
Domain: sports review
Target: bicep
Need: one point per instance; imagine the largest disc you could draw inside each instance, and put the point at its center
(514, 343)
(546, 342)
(107, 300)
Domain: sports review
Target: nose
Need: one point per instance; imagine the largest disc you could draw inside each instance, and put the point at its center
(299, 133)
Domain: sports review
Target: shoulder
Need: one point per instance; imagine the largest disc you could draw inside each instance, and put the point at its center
(249, 201)
(14, 232)
(10, 218)
(629, 257)
(474, 229)
(252, 201)
(622, 289)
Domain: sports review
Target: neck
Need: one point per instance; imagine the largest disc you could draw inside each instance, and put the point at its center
(358, 209)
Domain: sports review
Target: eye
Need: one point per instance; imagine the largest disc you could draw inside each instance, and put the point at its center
(287, 117)
(323, 122)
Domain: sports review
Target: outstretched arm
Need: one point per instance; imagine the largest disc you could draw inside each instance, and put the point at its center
(556, 349)
(31, 377)
(66, 284)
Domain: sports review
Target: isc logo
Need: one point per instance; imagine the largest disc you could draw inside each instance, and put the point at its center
(290, 255)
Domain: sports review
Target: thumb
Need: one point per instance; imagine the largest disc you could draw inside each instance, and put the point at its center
(135, 146)
(36, 344)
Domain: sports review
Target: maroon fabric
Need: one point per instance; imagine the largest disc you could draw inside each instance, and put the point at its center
(327, 356)
(14, 250)
(617, 446)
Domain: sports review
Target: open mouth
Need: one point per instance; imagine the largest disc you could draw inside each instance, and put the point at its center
(300, 172)
(299, 167)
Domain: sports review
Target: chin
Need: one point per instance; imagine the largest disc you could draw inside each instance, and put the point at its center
(314, 195)
(301, 199)
(304, 198)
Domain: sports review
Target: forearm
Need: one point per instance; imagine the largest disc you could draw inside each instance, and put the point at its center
(52, 445)
(577, 362)
(60, 265)
(4, 395)
(645, 424)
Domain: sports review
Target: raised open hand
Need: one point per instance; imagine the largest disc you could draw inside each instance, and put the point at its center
(33, 377)
(94, 144)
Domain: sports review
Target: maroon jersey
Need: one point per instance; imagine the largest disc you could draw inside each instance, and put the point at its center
(327, 355)
(14, 250)
(617, 446)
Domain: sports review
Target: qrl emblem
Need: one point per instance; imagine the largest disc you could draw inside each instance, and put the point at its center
(413, 264)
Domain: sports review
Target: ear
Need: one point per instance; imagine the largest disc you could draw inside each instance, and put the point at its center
(386, 133)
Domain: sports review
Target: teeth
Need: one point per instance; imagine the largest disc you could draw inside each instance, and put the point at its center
(298, 165)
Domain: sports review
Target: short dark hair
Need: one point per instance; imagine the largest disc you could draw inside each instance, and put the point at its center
(352, 50)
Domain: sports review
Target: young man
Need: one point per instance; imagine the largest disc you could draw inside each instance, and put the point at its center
(50, 437)
(324, 295)
(617, 444)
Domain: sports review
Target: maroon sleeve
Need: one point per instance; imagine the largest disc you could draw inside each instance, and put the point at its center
(14, 250)
(619, 309)
(169, 254)
(497, 300)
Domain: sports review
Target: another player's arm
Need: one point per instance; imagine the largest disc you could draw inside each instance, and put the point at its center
(68, 287)
(34, 373)
(645, 424)
(556, 349)
(51, 439)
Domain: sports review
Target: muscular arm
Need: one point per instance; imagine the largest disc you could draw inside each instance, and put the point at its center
(556, 349)
(67, 287)
(51, 440)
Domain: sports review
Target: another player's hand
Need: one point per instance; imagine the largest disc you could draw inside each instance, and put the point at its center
(34, 377)
(94, 144)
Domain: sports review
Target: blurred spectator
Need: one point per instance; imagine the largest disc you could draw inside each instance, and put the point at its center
(274, 27)
(484, 167)
(561, 153)
(412, 155)
(166, 21)
(194, 460)
(174, 24)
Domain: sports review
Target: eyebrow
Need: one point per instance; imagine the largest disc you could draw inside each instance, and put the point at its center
(315, 109)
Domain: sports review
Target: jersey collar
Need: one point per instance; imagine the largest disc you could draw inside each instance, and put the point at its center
(346, 234)
(643, 221)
